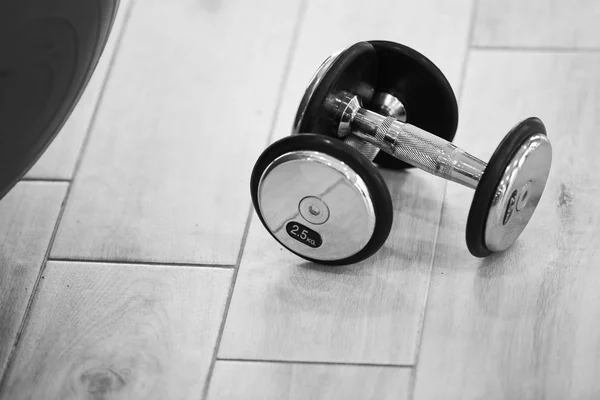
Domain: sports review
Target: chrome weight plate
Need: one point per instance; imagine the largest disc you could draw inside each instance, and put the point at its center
(321, 199)
(388, 78)
(510, 189)
(315, 205)
(518, 193)
(353, 70)
(314, 83)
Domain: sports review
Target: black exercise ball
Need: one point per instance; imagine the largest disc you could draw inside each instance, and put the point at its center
(48, 51)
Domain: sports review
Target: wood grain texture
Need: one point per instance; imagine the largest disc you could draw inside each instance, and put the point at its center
(274, 381)
(58, 161)
(284, 308)
(28, 215)
(569, 24)
(183, 118)
(524, 324)
(109, 331)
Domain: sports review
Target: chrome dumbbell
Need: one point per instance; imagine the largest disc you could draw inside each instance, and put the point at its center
(321, 196)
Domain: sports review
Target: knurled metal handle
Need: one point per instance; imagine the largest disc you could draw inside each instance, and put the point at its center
(418, 147)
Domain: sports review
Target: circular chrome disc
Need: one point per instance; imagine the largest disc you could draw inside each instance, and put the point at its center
(316, 205)
(518, 193)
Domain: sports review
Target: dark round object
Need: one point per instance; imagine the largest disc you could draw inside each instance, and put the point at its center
(355, 71)
(486, 189)
(48, 51)
(423, 89)
(378, 190)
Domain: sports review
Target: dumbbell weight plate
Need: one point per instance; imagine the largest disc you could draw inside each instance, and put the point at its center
(321, 199)
(353, 70)
(421, 87)
(510, 189)
(314, 83)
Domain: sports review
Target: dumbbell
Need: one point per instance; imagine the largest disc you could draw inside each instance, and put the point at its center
(320, 194)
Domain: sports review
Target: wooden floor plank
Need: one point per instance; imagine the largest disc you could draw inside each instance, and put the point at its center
(276, 381)
(538, 23)
(286, 309)
(58, 161)
(184, 116)
(27, 218)
(524, 324)
(114, 331)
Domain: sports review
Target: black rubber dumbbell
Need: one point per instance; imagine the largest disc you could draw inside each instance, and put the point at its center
(321, 196)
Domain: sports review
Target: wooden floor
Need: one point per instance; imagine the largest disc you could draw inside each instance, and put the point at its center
(133, 267)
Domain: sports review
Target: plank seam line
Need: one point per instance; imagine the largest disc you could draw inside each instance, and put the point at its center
(305, 362)
(25, 319)
(43, 180)
(141, 263)
(284, 78)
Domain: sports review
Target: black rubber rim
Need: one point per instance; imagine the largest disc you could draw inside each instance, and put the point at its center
(378, 190)
(486, 189)
(354, 71)
(423, 89)
(383, 66)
